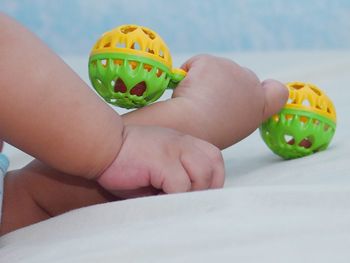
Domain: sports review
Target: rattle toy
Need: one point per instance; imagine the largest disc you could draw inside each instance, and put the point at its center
(131, 66)
(304, 126)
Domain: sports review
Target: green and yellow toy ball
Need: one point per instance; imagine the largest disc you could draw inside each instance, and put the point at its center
(131, 66)
(304, 126)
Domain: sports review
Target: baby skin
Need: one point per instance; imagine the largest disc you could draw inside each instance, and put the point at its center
(87, 154)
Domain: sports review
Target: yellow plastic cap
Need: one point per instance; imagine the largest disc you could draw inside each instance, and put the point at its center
(135, 40)
(308, 97)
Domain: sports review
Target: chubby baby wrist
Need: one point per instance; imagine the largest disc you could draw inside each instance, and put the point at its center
(107, 175)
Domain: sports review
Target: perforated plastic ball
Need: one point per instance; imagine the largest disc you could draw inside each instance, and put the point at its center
(304, 126)
(131, 66)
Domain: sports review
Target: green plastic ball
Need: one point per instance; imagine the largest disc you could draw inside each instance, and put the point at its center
(305, 125)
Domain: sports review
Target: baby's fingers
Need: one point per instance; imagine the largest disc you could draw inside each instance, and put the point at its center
(276, 95)
(176, 179)
(200, 167)
(216, 161)
(199, 170)
(206, 167)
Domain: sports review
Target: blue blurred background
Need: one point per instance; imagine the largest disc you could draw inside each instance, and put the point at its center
(191, 26)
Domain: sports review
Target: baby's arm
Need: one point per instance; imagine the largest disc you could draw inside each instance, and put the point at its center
(47, 111)
(219, 101)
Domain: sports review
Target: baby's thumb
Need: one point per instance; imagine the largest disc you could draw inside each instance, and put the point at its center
(276, 96)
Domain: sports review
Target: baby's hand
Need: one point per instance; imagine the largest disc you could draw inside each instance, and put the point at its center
(154, 159)
(228, 101)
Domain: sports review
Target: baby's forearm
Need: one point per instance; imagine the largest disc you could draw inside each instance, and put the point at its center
(218, 101)
(180, 114)
(46, 109)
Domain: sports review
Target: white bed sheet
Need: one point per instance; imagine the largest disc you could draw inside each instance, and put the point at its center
(270, 210)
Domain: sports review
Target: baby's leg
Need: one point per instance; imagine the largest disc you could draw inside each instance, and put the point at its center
(37, 192)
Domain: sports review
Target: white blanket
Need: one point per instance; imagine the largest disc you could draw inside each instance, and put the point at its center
(270, 210)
